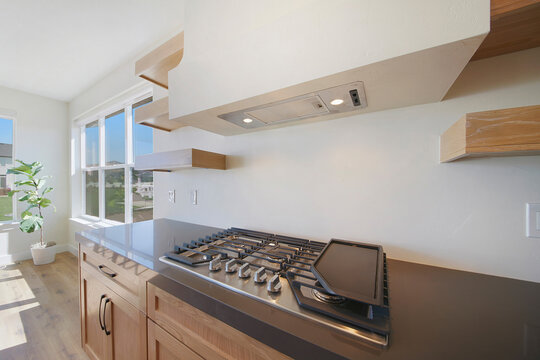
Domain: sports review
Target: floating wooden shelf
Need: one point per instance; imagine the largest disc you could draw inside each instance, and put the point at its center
(515, 25)
(180, 159)
(506, 132)
(155, 66)
(156, 115)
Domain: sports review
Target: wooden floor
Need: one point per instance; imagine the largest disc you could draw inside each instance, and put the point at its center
(39, 311)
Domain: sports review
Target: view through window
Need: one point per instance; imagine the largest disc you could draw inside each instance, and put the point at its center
(107, 176)
(6, 161)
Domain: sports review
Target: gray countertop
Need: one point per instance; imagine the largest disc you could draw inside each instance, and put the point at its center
(436, 313)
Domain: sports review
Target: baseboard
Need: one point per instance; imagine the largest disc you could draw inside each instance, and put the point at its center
(26, 255)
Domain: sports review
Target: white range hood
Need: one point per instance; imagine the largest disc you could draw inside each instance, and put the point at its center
(273, 62)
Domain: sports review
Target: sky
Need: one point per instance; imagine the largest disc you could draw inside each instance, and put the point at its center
(114, 140)
(6, 131)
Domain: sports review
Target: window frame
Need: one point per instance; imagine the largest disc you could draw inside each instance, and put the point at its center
(10, 178)
(128, 165)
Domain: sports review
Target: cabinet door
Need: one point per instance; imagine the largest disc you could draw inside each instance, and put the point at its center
(126, 329)
(163, 346)
(93, 338)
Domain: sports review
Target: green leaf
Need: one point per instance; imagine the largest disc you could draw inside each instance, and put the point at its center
(19, 172)
(44, 202)
(22, 183)
(31, 223)
(36, 168)
(40, 183)
(46, 190)
(13, 192)
(25, 197)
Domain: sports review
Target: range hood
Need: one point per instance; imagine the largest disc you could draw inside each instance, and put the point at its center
(274, 62)
(336, 100)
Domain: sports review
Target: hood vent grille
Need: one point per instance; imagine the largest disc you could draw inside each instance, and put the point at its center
(301, 107)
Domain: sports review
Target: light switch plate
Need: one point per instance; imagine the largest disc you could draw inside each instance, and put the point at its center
(172, 196)
(194, 197)
(533, 220)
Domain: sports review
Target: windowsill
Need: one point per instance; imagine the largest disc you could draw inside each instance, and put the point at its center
(8, 223)
(93, 224)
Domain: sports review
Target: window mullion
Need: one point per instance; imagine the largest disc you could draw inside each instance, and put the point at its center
(101, 173)
(128, 197)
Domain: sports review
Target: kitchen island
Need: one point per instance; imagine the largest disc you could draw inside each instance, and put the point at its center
(435, 313)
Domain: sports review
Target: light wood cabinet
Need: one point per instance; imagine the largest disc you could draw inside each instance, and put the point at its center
(163, 346)
(111, 328)
(207, 336)
(93, 337)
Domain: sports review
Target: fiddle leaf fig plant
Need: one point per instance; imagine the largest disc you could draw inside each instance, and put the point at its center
(33, 189)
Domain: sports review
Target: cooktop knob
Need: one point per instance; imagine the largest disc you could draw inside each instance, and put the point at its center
(260, 276)
(244, 271)
(215, 264)
(230, 266)
(274, 284)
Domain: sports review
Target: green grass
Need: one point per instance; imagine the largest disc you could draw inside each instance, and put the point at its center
(6, 208)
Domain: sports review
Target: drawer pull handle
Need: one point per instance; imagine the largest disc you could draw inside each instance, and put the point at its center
(107, 332)
(108, 273)
(101, 322)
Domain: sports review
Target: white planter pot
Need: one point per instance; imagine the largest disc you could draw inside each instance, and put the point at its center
(43, 256)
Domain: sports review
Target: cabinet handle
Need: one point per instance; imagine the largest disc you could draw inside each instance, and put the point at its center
(108, 273)
(104, 318)
(101, 322)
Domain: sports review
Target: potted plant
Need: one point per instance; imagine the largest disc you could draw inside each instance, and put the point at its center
(34, 191)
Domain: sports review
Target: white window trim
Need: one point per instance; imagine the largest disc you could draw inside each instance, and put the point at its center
(127, 166)
(10, 179)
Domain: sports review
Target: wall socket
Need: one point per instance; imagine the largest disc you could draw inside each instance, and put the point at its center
(172, 196)
(194, 197)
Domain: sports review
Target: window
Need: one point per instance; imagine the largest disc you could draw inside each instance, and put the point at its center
(112, 189)
(7, 204)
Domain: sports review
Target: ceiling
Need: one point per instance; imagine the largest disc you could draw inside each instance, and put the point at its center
(59, 48)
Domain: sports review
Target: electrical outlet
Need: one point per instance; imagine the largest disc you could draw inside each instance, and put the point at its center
(194, 197)
(172, 196)
(533, 220)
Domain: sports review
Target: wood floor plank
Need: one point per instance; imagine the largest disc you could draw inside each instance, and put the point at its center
(39, 311)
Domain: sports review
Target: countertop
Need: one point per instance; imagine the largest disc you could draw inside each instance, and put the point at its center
(436, 313)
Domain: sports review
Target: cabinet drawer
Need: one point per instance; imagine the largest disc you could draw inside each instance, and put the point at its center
(163, 346)
(204, 334)
(123, 276)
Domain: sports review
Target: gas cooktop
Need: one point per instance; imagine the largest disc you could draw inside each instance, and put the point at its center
(278, 270)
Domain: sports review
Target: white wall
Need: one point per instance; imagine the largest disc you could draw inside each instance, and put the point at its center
(376, 178)
(41, 134)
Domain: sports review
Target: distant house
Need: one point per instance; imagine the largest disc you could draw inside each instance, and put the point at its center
(6, 153)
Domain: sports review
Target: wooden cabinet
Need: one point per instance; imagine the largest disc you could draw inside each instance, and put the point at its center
(111, 327)
(93, 337)
(207, 336)
(163, 346)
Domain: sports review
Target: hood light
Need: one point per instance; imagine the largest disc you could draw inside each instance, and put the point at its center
(247, 120)
(336, 102)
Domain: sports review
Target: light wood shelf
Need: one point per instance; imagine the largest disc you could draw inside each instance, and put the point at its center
(505, 132)
(180, 159)
(156, 115)
(155, 66)
(515, 26)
